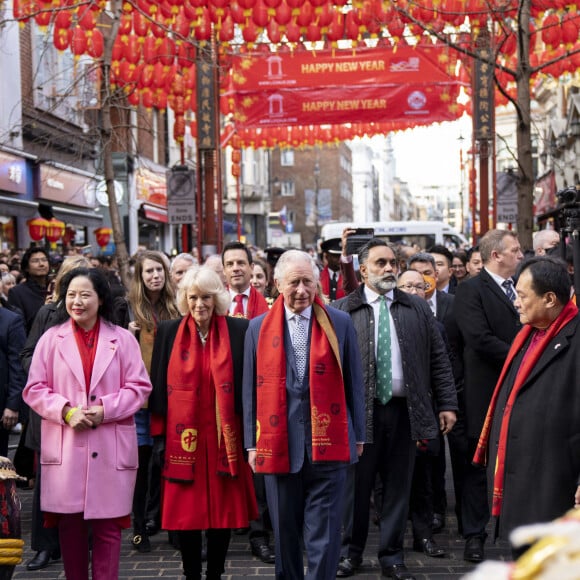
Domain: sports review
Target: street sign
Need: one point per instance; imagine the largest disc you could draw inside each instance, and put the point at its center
(181, 186)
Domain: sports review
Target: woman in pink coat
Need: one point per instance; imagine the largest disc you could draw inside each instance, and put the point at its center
(86, 381)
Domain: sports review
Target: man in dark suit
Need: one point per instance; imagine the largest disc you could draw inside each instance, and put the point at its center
(405, 375)
(532, 428)
(442, 306)
(446, 282)
(488, 322)
(29, 296)
(12, 376)
(247, 302)
(303, 416)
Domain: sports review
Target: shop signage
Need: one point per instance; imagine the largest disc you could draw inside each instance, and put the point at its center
(66, 187)
(13, 174)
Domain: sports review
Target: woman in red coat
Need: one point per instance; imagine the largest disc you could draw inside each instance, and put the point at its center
(196, 371)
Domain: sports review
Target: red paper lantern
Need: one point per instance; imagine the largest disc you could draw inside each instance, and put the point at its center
(37, 228)
(43, 18)
(79, 42)
(103, 235)
(54, 230)
(61, 38)
(95, 44)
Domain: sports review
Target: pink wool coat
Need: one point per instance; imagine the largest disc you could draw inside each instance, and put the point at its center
(91, 471)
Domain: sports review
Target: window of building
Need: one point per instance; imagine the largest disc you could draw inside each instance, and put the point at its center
(287, 158)
(287, 188)
(62, 86)
(345, 191)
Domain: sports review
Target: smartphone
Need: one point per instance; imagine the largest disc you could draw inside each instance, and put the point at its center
(358, 239)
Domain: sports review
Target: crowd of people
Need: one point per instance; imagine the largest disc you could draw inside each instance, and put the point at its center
(291, 397)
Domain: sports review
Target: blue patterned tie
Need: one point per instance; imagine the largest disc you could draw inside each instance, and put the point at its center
(299, 342)
(509, 290)
(384, 367)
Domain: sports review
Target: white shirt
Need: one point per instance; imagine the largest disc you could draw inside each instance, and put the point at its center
(246, 297)
(374, 300)
(291, 318)
(433, 303)
(499, 281)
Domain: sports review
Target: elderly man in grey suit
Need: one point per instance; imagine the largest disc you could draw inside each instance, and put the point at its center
(303, 416)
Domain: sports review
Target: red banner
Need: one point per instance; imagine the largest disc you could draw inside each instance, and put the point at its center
(417, 103)
(406, 87)
(384, 66)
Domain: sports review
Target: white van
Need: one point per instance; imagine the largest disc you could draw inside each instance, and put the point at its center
(423, 233)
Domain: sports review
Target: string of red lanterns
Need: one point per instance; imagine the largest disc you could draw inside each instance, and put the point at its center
(153, 53)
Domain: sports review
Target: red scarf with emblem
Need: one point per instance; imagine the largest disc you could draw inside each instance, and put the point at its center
(531, 357)
(184, 377)
(327, 398)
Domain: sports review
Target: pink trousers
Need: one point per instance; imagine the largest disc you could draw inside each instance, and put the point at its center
(73, 532)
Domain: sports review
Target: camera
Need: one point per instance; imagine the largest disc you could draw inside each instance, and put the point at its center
(358, 239)
(568, 195)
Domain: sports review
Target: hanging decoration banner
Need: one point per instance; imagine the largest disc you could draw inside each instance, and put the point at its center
(408, 86)
(418, 103)
(385, 66)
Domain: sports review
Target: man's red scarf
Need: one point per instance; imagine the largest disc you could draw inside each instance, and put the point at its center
(184, 377)
(327, 397)
(325, 283)
(256, 305)
(531, 357)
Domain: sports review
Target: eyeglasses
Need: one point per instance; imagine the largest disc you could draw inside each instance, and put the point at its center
(457, 266)
(409, 287)
(38, 261)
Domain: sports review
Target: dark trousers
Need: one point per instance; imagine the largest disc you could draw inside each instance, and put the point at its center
(474, 501)
(460, 461)
(421, 502)
(4, 438)
(218, 542)
(41, 538)
(259, 527)
(392, 456)
(306, 512)
(437, 476)
(141, 487)
(154, 494)
(348, 510)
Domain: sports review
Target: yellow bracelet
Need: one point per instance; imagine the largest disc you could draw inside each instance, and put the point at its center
(70, 413)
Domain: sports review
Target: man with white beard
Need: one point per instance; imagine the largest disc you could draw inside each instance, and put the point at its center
(406, 371)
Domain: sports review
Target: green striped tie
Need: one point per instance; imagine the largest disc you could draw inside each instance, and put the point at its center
(384, 368)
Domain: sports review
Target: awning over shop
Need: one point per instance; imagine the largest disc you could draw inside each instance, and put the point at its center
(153, 213)
(11, 206)
(76, 217)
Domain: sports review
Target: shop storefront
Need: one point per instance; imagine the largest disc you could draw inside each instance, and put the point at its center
(16, 201)
(151, 194)
(70, 196)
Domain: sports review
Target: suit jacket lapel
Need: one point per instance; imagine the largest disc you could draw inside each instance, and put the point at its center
(106, 349)
(497, 291)
(441, 306)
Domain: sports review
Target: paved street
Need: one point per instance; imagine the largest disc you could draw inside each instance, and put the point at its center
(164, 560)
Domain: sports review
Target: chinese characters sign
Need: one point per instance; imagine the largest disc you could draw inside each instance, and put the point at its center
(483, 95)
(206, 102)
